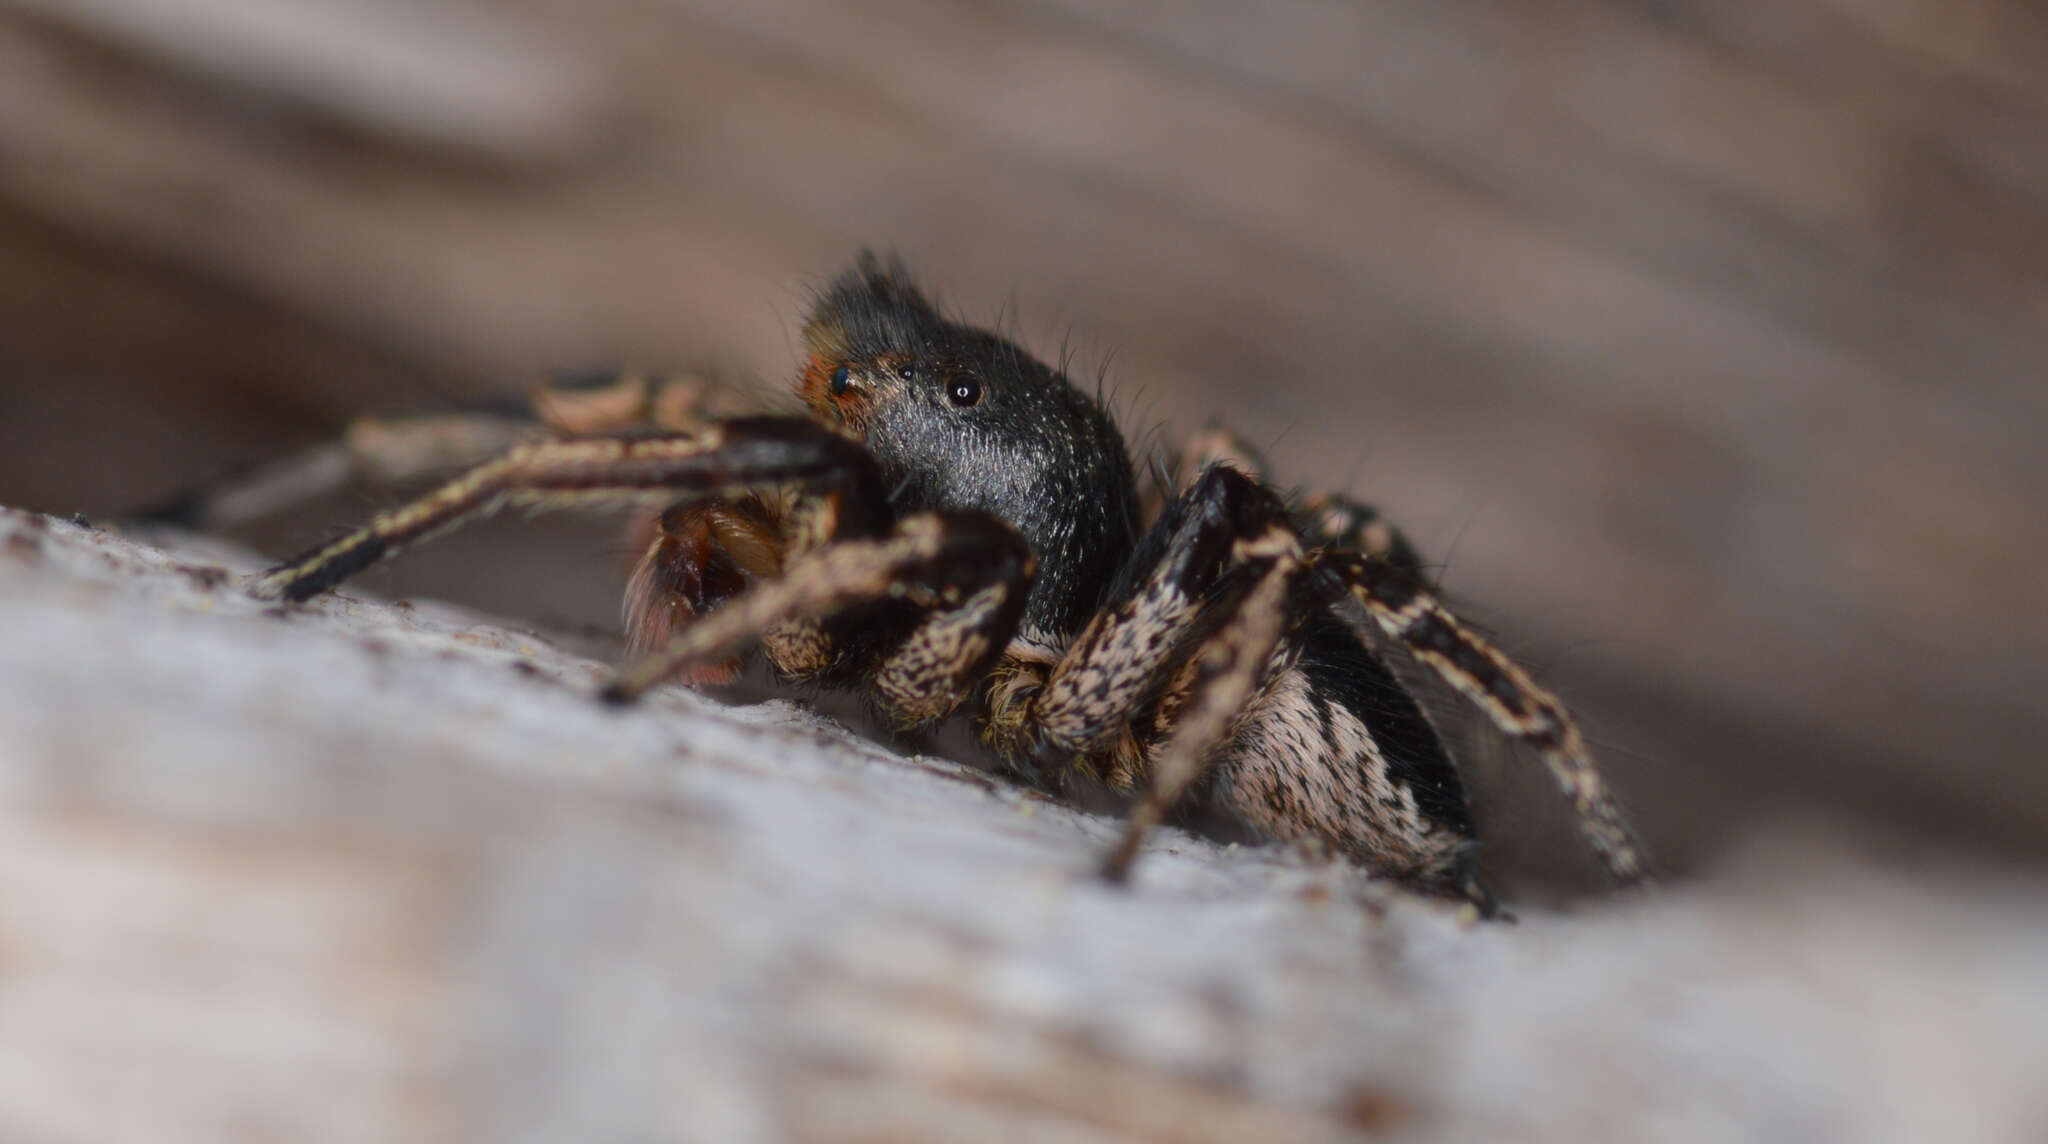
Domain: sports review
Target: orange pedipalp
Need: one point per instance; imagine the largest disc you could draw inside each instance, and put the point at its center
(697, 557)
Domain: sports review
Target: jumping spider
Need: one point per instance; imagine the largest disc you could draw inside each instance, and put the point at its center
(955, 522)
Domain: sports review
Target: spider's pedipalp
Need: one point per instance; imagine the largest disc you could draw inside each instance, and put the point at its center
(1404, 607)
(695, 556)
(727, 459)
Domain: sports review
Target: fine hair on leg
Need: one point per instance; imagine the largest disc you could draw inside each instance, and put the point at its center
(1403, 607)
(726, 460)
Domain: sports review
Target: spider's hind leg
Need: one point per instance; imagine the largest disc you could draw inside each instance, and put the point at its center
(1404, 607)
(1334, 520)
(1325, 519)
(1334, 745)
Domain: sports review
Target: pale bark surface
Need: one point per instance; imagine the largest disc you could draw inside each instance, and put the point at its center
(370, 871)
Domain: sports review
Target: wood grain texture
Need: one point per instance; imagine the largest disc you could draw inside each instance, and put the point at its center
(364, 870)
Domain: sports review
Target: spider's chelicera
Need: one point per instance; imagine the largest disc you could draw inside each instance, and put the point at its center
(956, 524)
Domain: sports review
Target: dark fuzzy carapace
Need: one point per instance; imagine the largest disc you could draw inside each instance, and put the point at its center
(962, 418)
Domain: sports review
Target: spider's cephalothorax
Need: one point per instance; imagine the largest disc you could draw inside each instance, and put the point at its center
(959, 418)
(957, 524)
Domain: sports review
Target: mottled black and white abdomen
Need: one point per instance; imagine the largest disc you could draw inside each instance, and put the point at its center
(1334, 748)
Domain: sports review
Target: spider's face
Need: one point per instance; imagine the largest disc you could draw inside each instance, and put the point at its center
(963, 418)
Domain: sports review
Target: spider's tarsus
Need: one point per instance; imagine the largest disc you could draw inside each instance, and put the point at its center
(1116, 873)
(298, 580)
(617, 694)
(1482, 900)
(1116, 869)
(263, 586)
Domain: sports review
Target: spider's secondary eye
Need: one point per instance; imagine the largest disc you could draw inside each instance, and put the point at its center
(839, 380)
(905, 372)
(964, 391)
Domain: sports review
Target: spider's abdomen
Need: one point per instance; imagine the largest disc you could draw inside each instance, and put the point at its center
(1334, 748)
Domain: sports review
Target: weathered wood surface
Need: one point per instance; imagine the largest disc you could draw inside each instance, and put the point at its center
(363, 871)
(1705, 341)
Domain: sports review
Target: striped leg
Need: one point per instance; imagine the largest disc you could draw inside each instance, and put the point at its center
(372, 451)
(1227, 671)
(1126, 654)
(1326, 520)
(1404, 608)
(967, 572)
(725, 460)
(1334, 520)
(393, 451)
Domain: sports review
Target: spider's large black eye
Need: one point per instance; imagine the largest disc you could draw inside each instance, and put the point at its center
(963, 391)
(839, 380)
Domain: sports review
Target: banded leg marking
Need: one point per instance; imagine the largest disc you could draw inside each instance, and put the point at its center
(975, 607)
(1127, 652)
(1403, 607)
(1333, 520)
(726, 460)
(1228, 671)
(372, 450)
(937, 560)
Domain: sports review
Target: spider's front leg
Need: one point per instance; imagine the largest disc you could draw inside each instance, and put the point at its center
(724, 461)
(963, 576)
(386, 452)
(371, 451)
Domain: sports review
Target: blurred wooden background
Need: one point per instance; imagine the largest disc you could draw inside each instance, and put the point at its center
(1704, 342)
